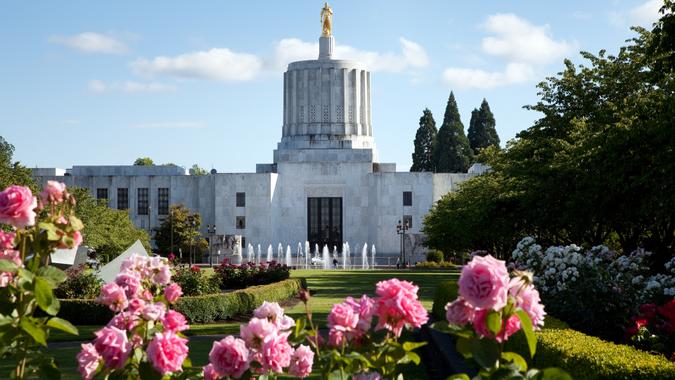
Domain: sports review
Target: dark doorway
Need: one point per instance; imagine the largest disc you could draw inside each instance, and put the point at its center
(324, 223)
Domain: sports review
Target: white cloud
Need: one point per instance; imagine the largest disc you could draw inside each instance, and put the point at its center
(129, 87)
(514, 73)
(644, 15)
(170, 125)
(219, 64)
(517, 40)
(412, 55)
(90, 42)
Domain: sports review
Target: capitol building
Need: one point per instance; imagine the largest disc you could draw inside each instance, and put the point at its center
(325, 185)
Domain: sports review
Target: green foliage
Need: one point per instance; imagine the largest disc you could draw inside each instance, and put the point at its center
(425, 141)
(85, 311)
(240, 276)
(445, 292)
(186, 236)
(443, 265)
(198, 171)
(144, 161)
(482, 132)
(81, 282)
(434, 256)
(452, 153)
(195, 282)
(106, 230)
(12, 172)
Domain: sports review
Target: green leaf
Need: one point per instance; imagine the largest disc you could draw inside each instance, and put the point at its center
(554, 374)
(464, 347)
(54, 275)
(187, 363)
(63, 325)
(8, 266)
(45, 296)
(504, 373)
(485, 352)
(458, 376)
(409, 346)
(75, 223)
(49, 371)
(516, 359)
(412, 357)
(146, 372)
(526, 325)
(36, 332)
(494, 322)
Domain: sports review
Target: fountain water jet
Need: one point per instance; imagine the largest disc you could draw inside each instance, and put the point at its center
(344, 256)
(249, 253)
(298, 255)
(364, 256)
(372, 255)
(288, 256)
(326, 257)
(270, 253)
(307, 253)
(280, 253)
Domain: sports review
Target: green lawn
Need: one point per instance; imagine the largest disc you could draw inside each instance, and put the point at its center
(328, 288)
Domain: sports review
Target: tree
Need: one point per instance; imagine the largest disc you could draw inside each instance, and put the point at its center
(482, 132)
(425, 140)
(196, 170)
(452, 153)
(186, 236)
(12, 172)
(106, 230)
(144, 161)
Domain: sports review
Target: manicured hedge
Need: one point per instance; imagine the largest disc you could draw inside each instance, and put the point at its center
(198, 309)
(583, 356)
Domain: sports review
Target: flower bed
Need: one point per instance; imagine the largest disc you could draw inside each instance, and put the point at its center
(197, 309)
(230, 276)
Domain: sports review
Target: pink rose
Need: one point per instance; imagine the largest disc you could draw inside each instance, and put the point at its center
(160, 271)
(130, 282)
(269, 310)
(167, 352)
(6, 240)
(301, 362)
(5, 279)
(397, 306)
(276, 353)
(17, 205)
(459, 312)
(229, 357)
(365, 308)
(154, 311)
(87, 361)
(136, 263)
(343, 318)
(484, 283)
(125, 320)
(173, 292)
(527, 298)
(480, 326)
(256, 331)
(210, 373)
(77, 239)
(136, 306)
(113, 345)
(113, 296)
(174, 321)
(336, 338)
(11, 255)
(53, 192)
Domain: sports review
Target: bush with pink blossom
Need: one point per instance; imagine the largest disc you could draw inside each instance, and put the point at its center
(491, 307)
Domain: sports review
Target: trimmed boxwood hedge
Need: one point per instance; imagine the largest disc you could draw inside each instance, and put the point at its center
(197, 309)
(583, 356)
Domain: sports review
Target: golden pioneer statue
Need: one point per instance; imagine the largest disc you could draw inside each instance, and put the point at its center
(326, 20)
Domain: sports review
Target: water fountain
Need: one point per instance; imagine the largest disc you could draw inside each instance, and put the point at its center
(280, 253)
(316, 253)
(298, 255)
(348, 254)
(344, 256)
(364, 256)
(307, 254)
(326, 257)
(288, 256)
(372, 255)
(257, 258)
(269, 253)
(249, 253)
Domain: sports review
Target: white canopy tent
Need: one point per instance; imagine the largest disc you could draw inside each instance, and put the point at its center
(69, 257)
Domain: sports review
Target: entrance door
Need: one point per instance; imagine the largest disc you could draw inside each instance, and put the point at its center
(324, 223)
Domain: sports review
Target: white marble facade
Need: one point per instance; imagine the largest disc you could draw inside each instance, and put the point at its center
(326, 150)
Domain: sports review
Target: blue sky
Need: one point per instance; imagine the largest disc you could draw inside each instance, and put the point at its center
(93, 83)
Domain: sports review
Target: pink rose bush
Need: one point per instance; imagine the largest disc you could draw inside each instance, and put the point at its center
(144, 333)
(491, 307)
(17, 206)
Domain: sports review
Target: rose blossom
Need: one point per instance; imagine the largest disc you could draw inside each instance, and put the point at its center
(336, 338)
(88, 360)
(459, 312)
(480, 326)
(210, 373)
(77, 239)
(229, 357)
(153, 311)
(53, 191)
(365, 308)
(256, 331)
(6, 240)
(484, 283)
(114, 297)
(5, 279)
(173, 292)
(527, 298)
(136, 263)
(275, 314)
(11, 255)
(175, 321)
(276, 353)
(160, 271)
(130, 282)
(397, 306)
(167, 352)
(301, 362)
(136, 306)
(113, 345)
(342, 317)
(125, 320)
(17, 205)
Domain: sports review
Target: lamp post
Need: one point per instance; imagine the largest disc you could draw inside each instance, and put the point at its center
(211, 230)
(401, 228)
(193, 223)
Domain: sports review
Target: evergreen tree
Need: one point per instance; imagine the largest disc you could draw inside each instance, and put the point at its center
(482, 132)
(452, 153)
(425, 140)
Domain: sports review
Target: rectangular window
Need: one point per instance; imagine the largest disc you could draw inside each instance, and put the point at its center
(122, 198)
(142, 201)
(101, 193)
(407, 219)
(163, 201)
(241, 222)
(241, 199)
(407, 198)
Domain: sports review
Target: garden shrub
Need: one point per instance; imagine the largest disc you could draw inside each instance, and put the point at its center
(445, 292)
(435, 265)
(193, 281)
(197, 309)
(434, 256)
(248, 274)
(81, 282)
